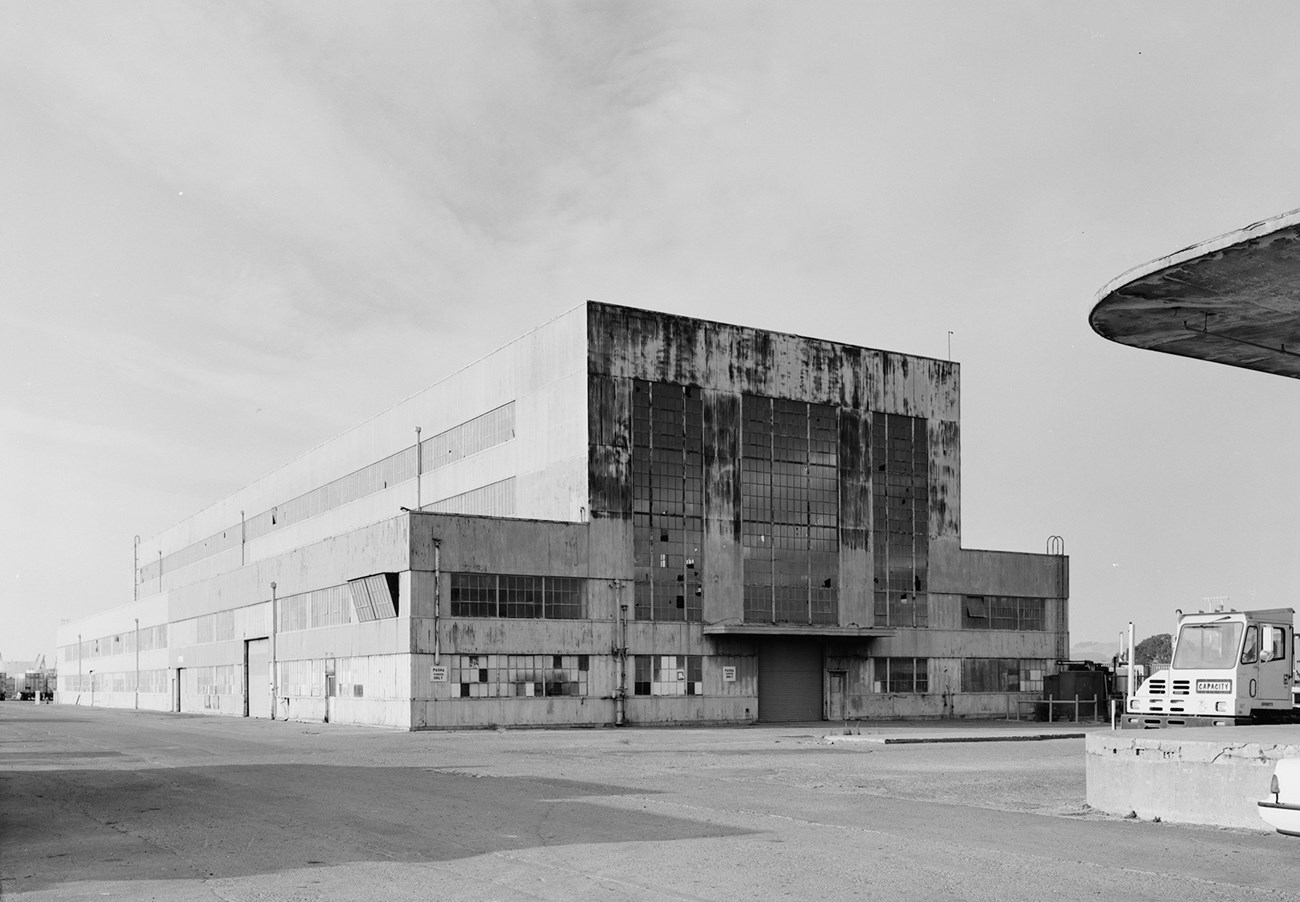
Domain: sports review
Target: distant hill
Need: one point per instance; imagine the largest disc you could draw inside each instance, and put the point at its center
(1101, 652)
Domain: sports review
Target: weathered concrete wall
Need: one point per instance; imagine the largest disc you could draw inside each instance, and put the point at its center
(730, 361)
(245, 592)
(229, 705)
(372, 712)
(483, 545)
(108, 637)
(376, 548)
(492, 712)
(149, 701)
(599, 552)
(958, 570)
(1209, 775)
(639, 344)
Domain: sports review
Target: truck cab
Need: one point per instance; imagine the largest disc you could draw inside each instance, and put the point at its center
(1228, 667)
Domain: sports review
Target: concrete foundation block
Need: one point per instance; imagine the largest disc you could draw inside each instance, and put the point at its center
(1212, 775)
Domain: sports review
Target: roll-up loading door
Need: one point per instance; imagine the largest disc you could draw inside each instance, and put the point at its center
(789, 680)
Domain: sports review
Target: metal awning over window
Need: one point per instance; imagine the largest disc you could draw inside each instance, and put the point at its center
(374, 597)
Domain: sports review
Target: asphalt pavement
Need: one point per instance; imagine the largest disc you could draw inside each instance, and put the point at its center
(98, 804)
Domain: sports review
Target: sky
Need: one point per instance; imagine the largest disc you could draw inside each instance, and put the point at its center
(232, 231)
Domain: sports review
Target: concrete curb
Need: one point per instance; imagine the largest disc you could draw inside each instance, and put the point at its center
(921, 740)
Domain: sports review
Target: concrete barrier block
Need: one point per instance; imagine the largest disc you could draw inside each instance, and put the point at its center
(1212, 776)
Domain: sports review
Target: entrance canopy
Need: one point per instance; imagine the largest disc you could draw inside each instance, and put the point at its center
(1234, 299)
(794, 630)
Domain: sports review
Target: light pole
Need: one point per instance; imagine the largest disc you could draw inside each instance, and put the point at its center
(418, 468)
(274, 690)
(137, 663)
(92, 687)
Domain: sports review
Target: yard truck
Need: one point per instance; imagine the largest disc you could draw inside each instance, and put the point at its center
(1227, 668)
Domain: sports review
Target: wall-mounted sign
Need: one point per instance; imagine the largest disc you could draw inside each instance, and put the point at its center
(438, 673)
(729, 674)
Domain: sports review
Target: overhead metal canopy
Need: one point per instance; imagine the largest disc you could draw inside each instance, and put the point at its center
(792, 630)
(1234, 299)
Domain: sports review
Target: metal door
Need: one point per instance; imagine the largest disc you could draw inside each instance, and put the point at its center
(1275, 665)
(789, 681)
(257, 679)
(836, 681)
(187, 691)
(331, 687)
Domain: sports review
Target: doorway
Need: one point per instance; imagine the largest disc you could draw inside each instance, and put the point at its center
(257, 678)
(836, 686)
(789, 681)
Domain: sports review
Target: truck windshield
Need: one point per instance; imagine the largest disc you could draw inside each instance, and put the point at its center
(1208, 646)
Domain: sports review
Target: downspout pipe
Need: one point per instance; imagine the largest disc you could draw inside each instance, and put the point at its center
(437, 598)
(620, 654)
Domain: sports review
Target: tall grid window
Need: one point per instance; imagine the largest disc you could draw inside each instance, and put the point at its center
(900, 516)
(517, 597)
(790, 509)
(667, 500)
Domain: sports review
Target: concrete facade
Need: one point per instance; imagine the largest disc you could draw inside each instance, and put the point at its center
(621, 517)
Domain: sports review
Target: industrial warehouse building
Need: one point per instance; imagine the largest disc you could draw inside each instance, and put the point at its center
(621, 517)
